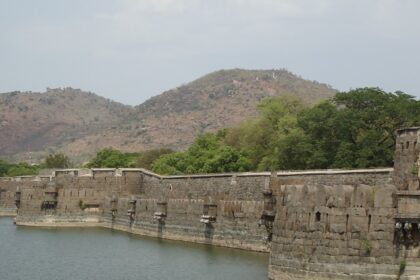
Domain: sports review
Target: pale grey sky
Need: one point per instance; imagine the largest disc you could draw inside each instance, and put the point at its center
(129, 50)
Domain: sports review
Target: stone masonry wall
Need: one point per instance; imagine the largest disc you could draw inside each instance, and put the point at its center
(217, 209)
(317, 224)
(334, 226)
(324, 224)
(330, 224)
(236, 203)
(406, 159)
(7, 197)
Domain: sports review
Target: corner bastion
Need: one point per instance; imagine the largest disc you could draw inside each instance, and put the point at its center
(322, 224)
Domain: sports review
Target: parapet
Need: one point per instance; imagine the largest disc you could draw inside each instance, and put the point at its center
(103, 172)
(65, 172)
(336, 171)
(5, 179)
(408, 129)
(129, 172)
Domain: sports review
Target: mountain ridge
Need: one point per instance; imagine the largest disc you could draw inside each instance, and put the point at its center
(79, 123)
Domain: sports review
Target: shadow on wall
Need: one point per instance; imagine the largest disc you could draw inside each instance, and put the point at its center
(209, 232)
(161, 228)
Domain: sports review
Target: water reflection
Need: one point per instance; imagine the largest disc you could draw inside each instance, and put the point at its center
(77, 253)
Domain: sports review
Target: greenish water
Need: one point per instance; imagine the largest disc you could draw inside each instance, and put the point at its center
(76, 254)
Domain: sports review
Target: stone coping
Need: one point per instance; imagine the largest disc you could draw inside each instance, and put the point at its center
(336, 171)
(408, 193)
(401, 130)
(122, 171)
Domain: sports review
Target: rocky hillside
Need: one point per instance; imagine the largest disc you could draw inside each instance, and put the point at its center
(220, 99)
(79, 123)
(44, 122)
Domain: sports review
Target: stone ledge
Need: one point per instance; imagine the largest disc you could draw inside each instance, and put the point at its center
(408, 193)
(95, 222)
(121, 171)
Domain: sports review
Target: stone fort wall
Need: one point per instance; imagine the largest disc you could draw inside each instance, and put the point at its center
(327, 224)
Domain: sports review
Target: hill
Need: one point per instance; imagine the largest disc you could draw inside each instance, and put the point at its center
(77, 125)
(43, 122)
(220, 99)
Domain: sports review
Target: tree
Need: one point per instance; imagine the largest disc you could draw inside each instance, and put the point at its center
(146, 158)
(357, 128)
(262, 139)
(208, 154)
(325, 131)
(4, 167)
(22, 169)
(172, 164)
(290, 150)
(110, 158)
(57, 161)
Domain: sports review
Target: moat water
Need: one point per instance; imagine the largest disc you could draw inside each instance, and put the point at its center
(86, 253)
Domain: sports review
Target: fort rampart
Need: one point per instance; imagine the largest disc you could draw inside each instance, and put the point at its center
(327, 224)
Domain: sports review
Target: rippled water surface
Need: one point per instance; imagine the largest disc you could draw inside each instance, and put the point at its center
(49, 254)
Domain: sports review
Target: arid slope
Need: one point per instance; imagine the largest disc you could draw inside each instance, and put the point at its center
(79, 123)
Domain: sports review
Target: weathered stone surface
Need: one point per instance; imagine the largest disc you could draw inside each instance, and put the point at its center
(332, 224)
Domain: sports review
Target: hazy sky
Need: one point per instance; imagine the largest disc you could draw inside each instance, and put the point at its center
(129, 50)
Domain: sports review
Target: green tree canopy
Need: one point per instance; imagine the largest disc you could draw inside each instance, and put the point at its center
(357, 128)
(4, 168)
(22, 169)
(263, 139)
(146, 158)
(57, 161)
(208, 154)
(110, 158)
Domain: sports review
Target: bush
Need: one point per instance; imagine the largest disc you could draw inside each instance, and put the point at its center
(82, 205)
(401, 270)
(366, 246)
